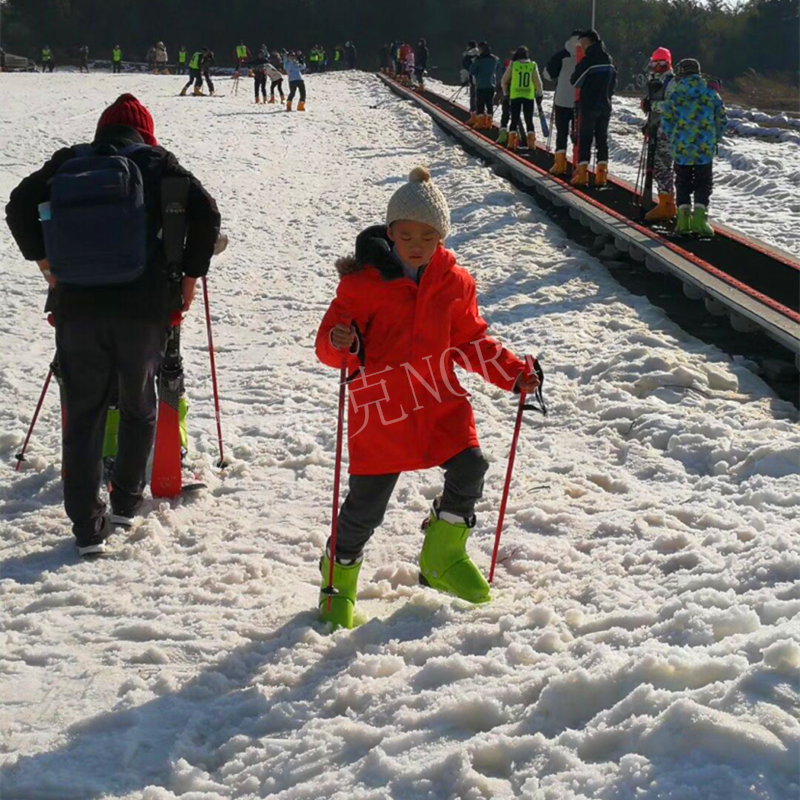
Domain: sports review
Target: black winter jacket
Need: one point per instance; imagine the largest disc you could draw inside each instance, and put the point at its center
(596, 77)
(146, 297)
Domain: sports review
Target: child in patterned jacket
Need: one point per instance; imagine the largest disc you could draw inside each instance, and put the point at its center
(694, 120)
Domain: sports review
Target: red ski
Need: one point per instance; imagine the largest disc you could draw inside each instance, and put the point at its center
(166, 479)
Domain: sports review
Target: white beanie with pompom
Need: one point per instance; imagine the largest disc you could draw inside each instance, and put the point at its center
(420, 200)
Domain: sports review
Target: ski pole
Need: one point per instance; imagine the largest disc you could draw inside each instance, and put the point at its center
(21, 455)
(221, 463)
(532, 365)
(543, 120)
(552, 126)
(337, 476)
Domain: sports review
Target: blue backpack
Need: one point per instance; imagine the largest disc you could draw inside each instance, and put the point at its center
(95, 229)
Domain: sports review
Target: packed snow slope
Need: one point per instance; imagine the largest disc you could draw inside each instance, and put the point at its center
(643, 641)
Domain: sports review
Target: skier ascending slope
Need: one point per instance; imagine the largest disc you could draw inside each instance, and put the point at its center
(408, 314)
(694, 120)
(596, 78)
(111, 298)
(560, 68)
(659, 80)
(522, 83)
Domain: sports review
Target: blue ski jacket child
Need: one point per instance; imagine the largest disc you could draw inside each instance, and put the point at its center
(293, 69)
(693, 119)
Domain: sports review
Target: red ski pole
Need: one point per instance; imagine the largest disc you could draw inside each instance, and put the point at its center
(337, 476)
(221, 464)
(21, 455)
(530, 363)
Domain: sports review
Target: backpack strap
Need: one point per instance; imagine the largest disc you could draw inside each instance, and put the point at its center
(83, 150)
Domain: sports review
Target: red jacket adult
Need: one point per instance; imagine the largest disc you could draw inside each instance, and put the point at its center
(407, 410)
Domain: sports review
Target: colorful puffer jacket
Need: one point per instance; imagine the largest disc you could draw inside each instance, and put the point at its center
(407, 410)
(693, 119)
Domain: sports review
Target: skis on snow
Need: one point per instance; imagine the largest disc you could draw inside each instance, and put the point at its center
(167, 476)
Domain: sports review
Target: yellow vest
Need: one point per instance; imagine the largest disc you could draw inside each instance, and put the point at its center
(522, 80)
(195, 62)
(116, 54)
(241, 51)
(182, 56)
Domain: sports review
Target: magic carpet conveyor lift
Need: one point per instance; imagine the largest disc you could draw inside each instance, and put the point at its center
(756, 285)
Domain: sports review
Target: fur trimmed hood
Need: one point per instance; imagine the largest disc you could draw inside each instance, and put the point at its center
(373, 248)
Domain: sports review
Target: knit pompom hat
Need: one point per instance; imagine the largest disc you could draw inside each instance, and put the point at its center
(127, 110)
(420, 200)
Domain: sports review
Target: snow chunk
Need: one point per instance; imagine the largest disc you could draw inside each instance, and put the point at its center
(783, 657)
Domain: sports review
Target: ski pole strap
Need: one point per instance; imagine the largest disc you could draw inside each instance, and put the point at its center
(539, 405)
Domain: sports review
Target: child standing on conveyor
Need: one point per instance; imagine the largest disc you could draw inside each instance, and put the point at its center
(694, 120)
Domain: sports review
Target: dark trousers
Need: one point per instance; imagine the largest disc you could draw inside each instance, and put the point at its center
(485, 102)
(520, 106)
(593, 127)
(116, 67)
(506, 113)
(194, 78)
(365, 505)
(181, 69)
(260, 83)
(473, 96)
(694, 179)
(93, 353)
(295, 86)
(207, 77)
(563, 125)
(276, 85)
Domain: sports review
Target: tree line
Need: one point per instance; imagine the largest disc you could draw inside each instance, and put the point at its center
(728, 39)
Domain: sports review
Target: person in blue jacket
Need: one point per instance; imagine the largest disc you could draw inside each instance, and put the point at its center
(483, 71)
(693, 119)
(294, 67)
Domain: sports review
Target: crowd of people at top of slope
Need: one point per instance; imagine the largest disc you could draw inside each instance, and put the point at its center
(685, 114)
(157, 61)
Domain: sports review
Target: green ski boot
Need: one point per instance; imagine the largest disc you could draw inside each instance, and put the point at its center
(444, 564)
(683, 226)
(700, 224)
(502, 137)
(343, 601)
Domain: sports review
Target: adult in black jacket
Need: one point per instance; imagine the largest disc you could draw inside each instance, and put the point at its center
(421, 61)
(114, 335)
(596, 77)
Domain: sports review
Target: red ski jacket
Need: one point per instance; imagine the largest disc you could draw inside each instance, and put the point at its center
(406, 409)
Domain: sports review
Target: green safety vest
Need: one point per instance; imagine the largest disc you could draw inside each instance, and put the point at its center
(116, 55)
(182, 56)
(241, 51)
(195, 62)
(522, 80)
(46, 55)
(337, 56)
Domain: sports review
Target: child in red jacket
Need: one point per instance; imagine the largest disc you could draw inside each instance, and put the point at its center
(404, 316)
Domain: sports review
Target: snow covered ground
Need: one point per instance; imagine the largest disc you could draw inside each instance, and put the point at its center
(644, 638)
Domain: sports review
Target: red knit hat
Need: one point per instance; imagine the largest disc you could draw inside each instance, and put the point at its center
(127, 110)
